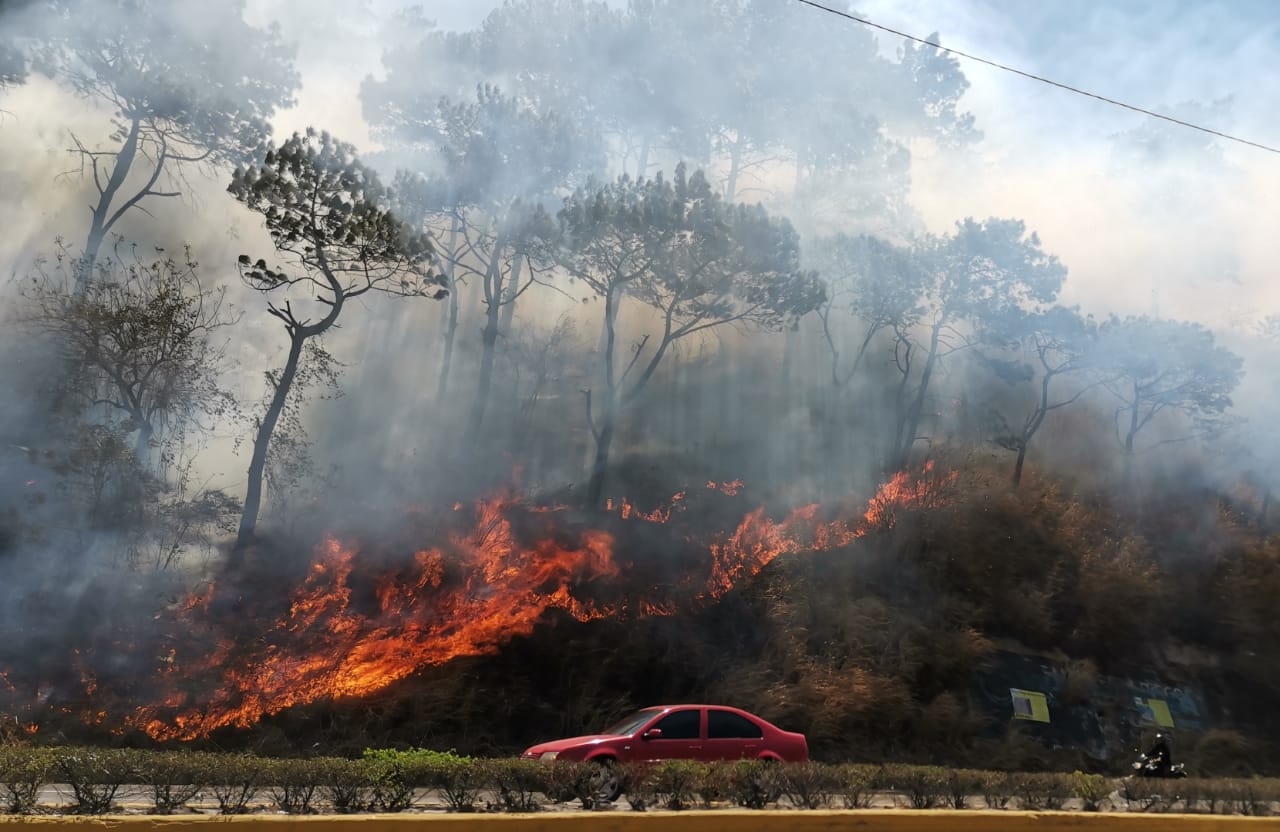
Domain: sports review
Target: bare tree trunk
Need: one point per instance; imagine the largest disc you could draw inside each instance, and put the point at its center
(142, 445)
(642, 164)
(513, 289)
(258, 463)
(908, 438)
(604, 434)
(900, 398)
(1037, 419)
(1133, 432)
(862, 351)
(1017, 466)
(600, 467)
(451, 323)
(489, 340)
(100, 223)
(735, 169)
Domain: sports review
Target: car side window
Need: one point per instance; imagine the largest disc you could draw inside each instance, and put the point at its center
(725, 725)
(681, 725)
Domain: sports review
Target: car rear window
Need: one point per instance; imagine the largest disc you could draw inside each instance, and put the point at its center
(725, 725)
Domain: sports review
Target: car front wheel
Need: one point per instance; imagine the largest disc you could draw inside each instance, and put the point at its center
(606, 780)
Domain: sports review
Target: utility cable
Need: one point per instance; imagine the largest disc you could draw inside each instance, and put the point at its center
(1035, 77)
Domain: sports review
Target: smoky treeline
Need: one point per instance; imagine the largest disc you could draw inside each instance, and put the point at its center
(592, 251)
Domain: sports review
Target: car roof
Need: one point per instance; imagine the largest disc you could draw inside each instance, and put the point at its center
(696, 705)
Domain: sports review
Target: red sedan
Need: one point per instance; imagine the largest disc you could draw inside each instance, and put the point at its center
(676, 732)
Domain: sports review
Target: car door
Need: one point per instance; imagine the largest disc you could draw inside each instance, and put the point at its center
(681, 738)
(731, 736)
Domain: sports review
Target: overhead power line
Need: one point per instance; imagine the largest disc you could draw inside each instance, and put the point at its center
(1035, 77)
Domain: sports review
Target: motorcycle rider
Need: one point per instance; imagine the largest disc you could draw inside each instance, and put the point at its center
(1160, 756)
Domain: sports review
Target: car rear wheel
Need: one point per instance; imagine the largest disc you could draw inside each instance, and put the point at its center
(769, 779)
(606, 780)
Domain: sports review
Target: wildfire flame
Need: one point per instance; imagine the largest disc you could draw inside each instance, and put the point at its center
(354, 627)
(758, 541)
(325, 647)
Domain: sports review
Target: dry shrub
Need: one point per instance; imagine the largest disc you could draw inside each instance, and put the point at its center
(857, 785)
(1143, 794)
(1221, 753)
(1043, 790)
(1081, 677)
(346, 785)
(962, 785)
(24, 771)
(640, 792)
(173, 778)
(925, 787)
(235, 780)
(1090, 789)
(568, 781)
(1014, 750)
(714, 785)
(998, 789)
(754, 784)
(1214, 796)
(95, 776)
(675, 783)
(1009, 588)
(837, 704)
(1254, 796)
(1247, 582)
(292, 785)
(810, 785)
(518, 783)
(1120, 591)
(945, 723)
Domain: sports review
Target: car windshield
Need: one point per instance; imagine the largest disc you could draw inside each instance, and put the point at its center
(631, 723)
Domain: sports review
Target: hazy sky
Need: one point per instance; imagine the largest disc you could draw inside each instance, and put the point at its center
(1047, 152)
(1191, 235)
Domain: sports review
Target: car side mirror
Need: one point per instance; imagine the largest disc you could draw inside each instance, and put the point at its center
(652, 734)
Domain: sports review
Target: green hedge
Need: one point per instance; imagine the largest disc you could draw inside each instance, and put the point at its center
(97, 781)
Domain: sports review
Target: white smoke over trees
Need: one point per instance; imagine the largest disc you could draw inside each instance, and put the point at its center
(549, 149)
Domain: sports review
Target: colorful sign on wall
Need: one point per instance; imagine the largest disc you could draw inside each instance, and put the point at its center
(1029, 704)
(1153, 712)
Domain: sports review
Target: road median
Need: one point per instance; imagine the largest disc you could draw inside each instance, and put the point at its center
(690, 821)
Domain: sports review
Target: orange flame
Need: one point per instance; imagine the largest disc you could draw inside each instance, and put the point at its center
(661, 514)
(758, 541)
(351, 630)
(324, 647)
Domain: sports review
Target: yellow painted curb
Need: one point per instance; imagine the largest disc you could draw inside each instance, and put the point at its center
(693, 821)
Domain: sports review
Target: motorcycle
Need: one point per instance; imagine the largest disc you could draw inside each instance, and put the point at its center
(1146, 766)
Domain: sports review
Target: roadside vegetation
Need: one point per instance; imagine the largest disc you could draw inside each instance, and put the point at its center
(97, 781)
